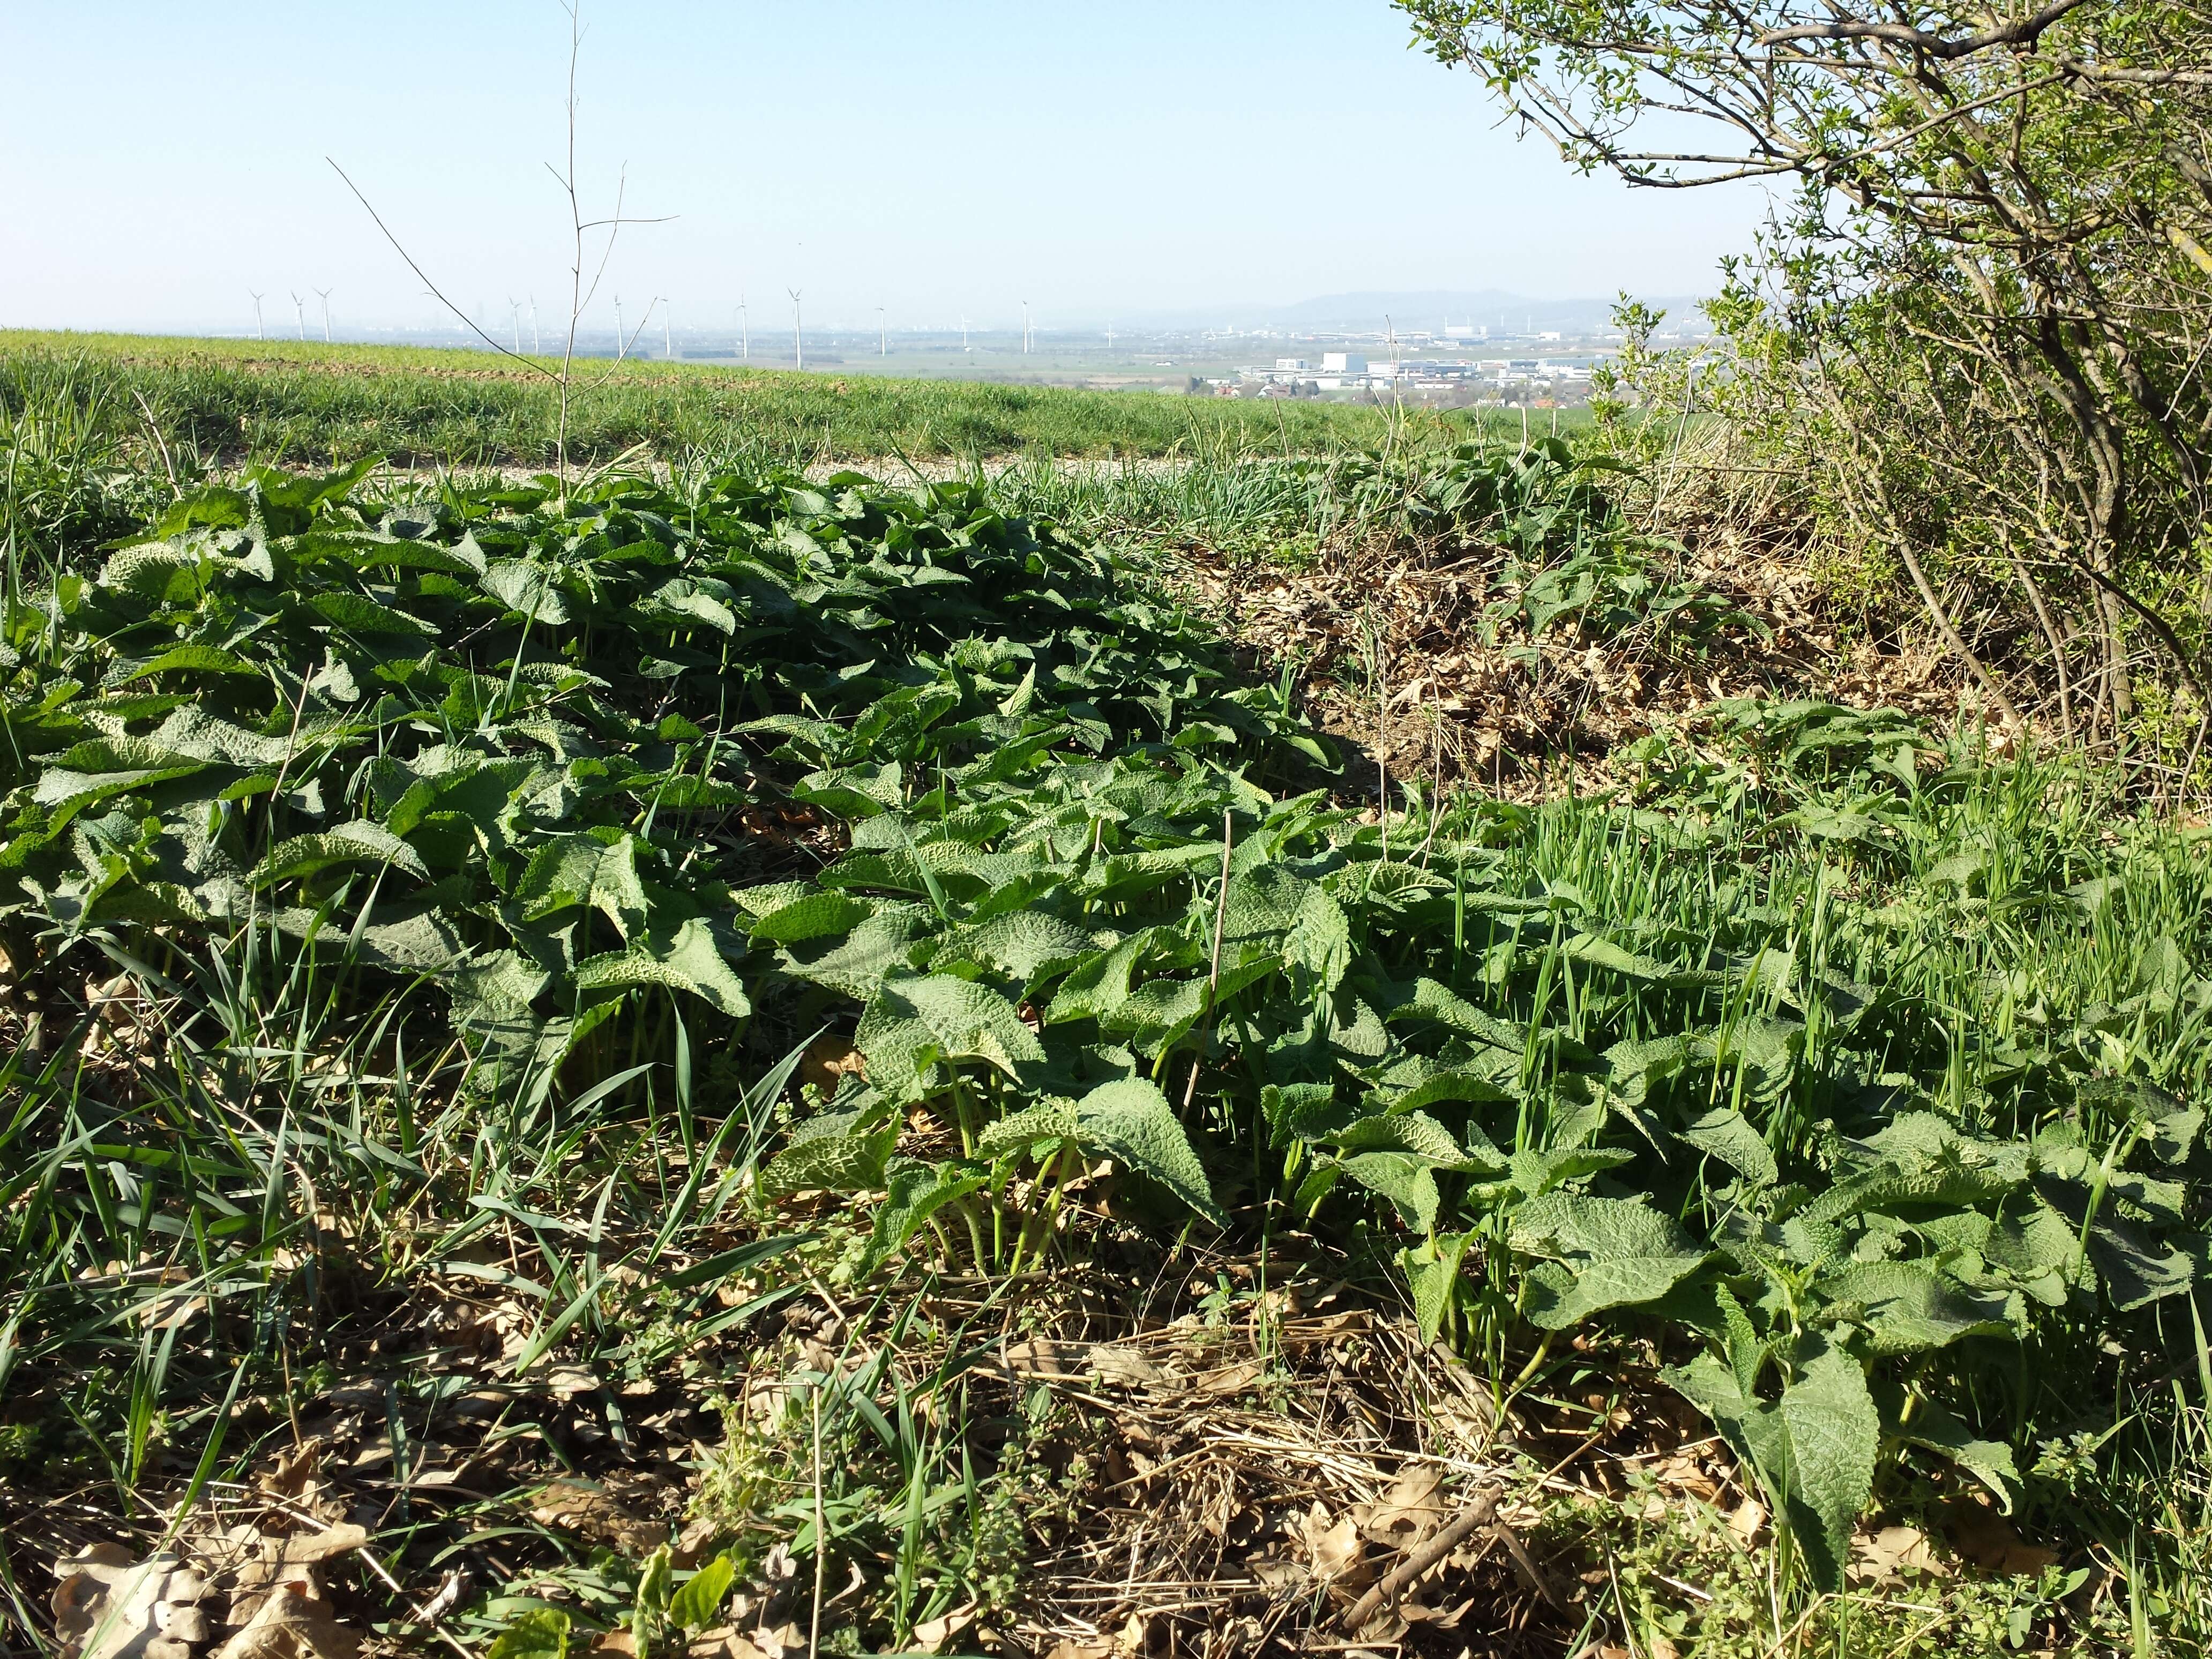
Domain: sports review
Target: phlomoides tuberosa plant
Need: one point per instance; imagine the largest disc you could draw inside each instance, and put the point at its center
(582, 291)
(1982, 323)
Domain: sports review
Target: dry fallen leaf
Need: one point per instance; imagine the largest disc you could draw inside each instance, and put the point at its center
(1986, 1539)
(271, 1562)
(1880, 1556)
(589, 1509)
(290, 1626)
(1121, 1367)
(827, 1059)
(1745, 1519)
(566, 1382)
(695, 1542)
(1275, 1572)
(1230, 1379)
(1387, 1625)
(294, 1471)
(100, 1582)
(1043, 1359)
(436, 1605)
(106, 1606)
(480, 1403)
(114, 1006)
(932, 1634)
(1331, 1549)
(1684, 1473)
(166, 1313)
(306, 1549)
(1409, 1512)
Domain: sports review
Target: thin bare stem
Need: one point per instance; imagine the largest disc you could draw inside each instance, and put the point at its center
(434, 291)
(821, 1541)
(160, 442)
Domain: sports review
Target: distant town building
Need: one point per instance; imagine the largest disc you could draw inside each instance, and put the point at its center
(1462, 379)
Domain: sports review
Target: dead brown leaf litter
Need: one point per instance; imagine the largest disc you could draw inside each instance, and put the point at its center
(1396, 658)
(246, 1593)
(1230, 1455)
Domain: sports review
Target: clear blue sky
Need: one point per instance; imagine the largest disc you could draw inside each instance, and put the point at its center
(1096, 157)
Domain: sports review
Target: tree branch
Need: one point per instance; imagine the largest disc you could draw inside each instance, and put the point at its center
(2023, 32)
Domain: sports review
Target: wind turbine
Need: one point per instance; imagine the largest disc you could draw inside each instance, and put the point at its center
(1025, 328)
(514, 318)
(325, 293)
(534, 348)
(300, 316)
(883, 334)
(260, 333)
(798, 341)
(744, 330)
(619, 336)
(964, 334)
(668, 334)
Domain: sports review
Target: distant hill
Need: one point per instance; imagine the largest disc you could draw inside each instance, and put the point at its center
(1431, 309)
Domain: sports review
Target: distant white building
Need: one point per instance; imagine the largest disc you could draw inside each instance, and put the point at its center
(1343, 363)
(1289, 365)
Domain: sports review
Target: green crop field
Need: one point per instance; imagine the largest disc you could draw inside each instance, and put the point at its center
(316, 405)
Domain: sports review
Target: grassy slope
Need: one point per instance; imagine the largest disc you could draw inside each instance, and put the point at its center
(318, 404)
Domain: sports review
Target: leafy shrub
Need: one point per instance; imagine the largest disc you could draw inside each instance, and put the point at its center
(1536, 499)
(507, 740)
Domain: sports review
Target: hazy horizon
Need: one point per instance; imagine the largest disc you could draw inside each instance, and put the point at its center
(1320, 316)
